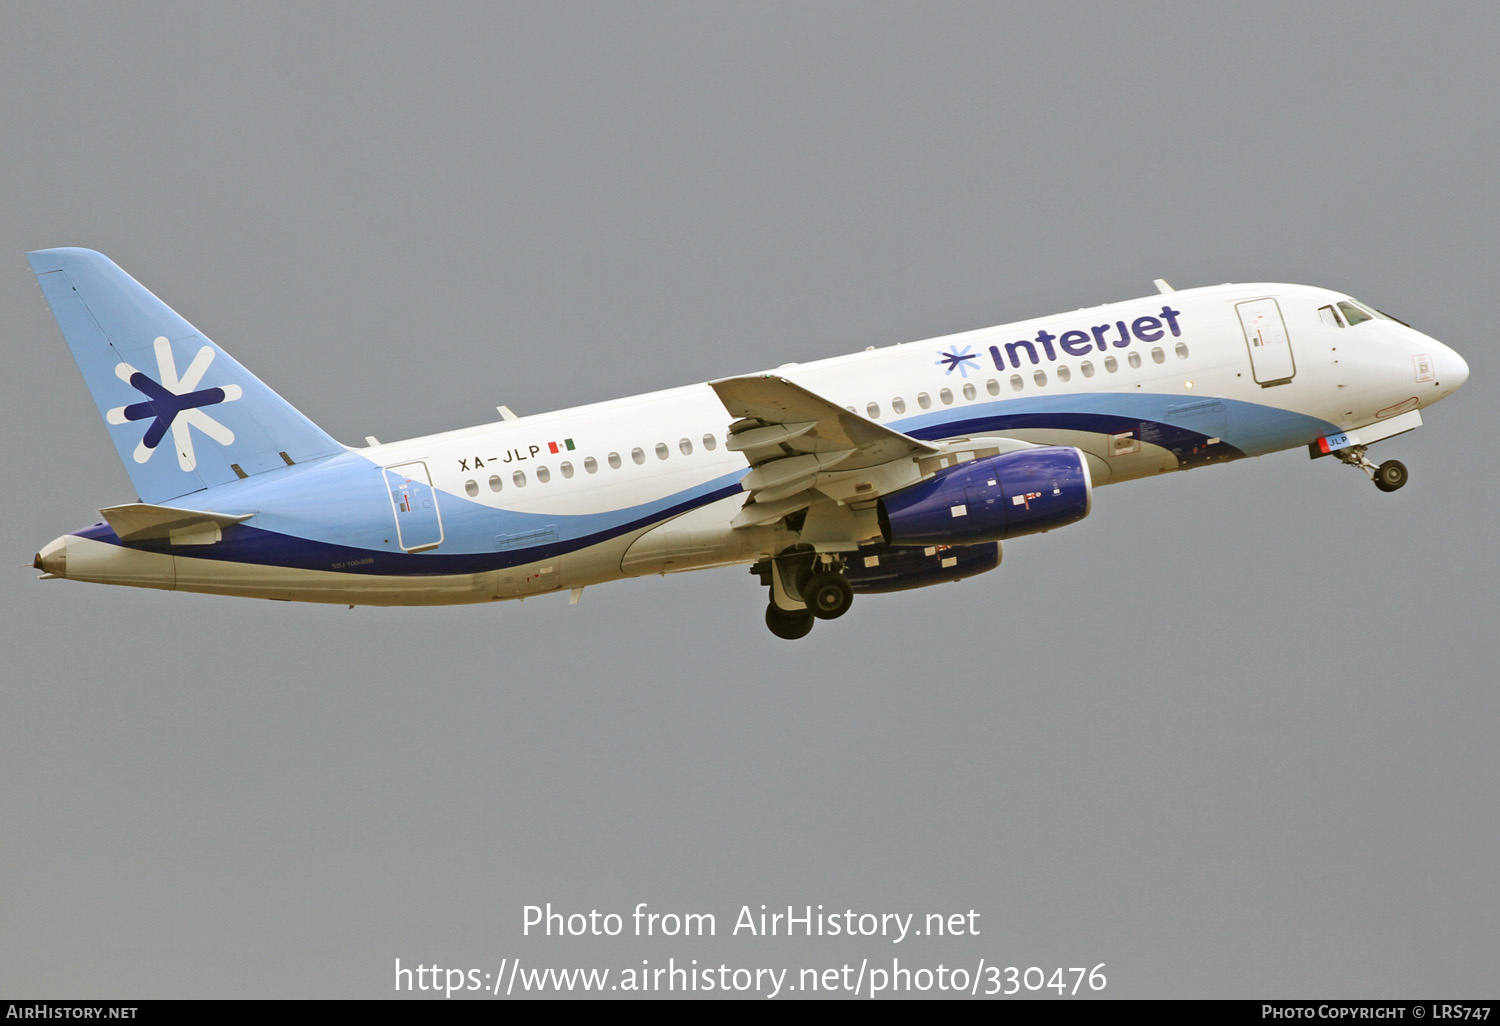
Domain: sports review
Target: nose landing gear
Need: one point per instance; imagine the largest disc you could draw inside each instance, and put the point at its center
(1388, 476)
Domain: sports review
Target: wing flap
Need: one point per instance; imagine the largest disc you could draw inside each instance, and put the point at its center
(766, 435)
(768, 400)
(763, 513)
(791, 435)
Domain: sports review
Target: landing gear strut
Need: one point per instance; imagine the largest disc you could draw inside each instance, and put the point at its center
(1388, 477)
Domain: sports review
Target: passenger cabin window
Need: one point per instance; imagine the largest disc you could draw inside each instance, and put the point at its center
(924, 400)
(1040, 377)
(495, 483)
(638, 454)
(1063, 373)
(685, 446)
(662, 452)
(946, 395)
(1111, 364)
(898, 405)
(614, 461)
(543, 475)
(1157, 356)
(1181, 350)
(519, 477)
(567, 469)
(872, 410)
(472, 487)
(709, 442)
(1135, 360)
(1087, 368)
(969, 392)
(1353, 314)
(589, 464)
(1016, 384)
(992, 386)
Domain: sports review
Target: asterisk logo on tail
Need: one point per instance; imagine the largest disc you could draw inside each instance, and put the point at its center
(174, 404)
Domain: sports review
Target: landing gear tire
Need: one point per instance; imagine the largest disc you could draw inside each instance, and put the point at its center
(828, 595)
(790, 626)
(1390, 475)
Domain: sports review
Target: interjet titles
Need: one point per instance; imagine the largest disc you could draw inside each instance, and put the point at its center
(1080, 342)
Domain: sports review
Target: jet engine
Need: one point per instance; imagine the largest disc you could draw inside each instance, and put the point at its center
(990, 499)
(883, 568)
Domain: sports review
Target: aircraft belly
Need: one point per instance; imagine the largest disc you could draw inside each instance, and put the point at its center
(695, 540)
(526, 578)
(592, 565)
(291, 584)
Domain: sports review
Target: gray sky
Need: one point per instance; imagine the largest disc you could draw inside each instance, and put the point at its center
(1233, 735)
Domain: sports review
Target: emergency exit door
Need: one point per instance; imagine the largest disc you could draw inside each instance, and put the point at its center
(1271, 361)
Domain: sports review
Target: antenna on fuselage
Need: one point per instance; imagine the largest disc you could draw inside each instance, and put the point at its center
(1161, 285)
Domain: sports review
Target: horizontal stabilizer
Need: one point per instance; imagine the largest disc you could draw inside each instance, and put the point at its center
(139, 521)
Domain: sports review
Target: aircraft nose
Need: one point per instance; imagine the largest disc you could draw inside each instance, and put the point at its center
(1455, 369)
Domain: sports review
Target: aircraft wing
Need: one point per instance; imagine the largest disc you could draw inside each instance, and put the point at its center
(790, 435)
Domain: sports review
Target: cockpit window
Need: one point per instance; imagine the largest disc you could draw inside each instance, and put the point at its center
(1356, 313)
(1353, 314)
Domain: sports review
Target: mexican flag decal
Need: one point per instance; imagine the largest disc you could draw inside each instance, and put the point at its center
(556, 447)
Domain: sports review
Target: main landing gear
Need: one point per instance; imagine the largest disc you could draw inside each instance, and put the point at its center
(828, 594)
(790, 626)
(1388, 477)
(805, 587)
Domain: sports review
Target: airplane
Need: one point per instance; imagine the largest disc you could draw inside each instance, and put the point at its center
(890, 469)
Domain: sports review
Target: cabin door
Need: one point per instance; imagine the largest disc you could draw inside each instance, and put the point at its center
(414, 501)
(1271, 360)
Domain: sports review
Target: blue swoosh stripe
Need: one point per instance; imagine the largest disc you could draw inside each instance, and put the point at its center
(245, 544)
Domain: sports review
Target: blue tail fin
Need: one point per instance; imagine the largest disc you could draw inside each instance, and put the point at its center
(182, 413)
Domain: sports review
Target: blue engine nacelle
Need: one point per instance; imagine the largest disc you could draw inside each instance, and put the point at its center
(989, 499)
(879, 568)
